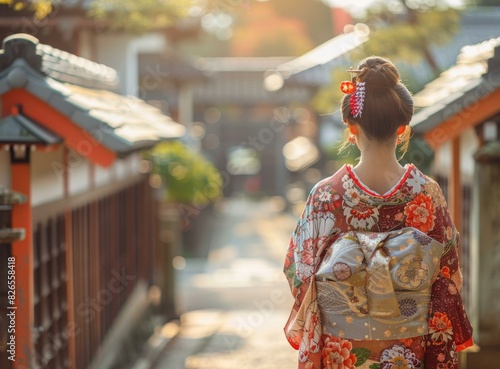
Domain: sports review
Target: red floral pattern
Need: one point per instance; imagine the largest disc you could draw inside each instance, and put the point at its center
(337, 354)
(420, 213)
(440, 328)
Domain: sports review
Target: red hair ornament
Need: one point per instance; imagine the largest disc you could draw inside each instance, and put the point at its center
(357, 99)
(347, 87)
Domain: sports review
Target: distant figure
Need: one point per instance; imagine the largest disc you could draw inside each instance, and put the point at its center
(373, 262)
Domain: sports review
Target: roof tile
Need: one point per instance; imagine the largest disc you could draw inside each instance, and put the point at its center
(459, 86)
(120, 123)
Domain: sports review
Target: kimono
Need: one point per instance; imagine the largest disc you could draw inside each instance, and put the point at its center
(376, 278)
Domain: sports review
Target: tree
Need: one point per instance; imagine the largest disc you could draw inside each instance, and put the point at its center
(274, 27)
(128, 15)
(139, 16)
(41, 8)
(264, 32)
(403, 33)
(409, 34)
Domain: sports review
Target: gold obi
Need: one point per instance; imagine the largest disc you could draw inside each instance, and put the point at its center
(377, 286)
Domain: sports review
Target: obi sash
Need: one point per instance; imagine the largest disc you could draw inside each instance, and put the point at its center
(377, 286)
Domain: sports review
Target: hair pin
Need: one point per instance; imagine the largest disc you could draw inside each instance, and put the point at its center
(350, 70)
(357, 100)
(347, 87)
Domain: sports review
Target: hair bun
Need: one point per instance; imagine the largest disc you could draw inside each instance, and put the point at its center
(378, 73)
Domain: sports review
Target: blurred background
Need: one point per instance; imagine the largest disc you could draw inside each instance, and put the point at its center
(174, 143)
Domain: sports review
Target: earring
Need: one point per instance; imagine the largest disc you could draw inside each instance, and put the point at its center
(352, 139)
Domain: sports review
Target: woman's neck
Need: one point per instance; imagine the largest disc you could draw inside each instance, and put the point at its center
(378, 167)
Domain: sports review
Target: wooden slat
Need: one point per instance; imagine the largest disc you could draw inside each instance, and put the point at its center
(78, 254)
(94, 276)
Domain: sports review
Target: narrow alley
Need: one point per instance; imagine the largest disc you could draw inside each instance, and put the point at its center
(236, 302)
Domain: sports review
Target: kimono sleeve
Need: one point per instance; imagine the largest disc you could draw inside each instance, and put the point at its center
(450, 330)
(301, 255)
(309, 239)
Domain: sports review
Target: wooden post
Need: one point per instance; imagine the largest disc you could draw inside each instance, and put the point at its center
(455, 188)
(22, 251)
(486, 247)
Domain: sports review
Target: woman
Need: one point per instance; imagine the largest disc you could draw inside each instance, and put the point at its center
(373, 262)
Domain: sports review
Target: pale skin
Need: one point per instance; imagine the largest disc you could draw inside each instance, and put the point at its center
(378, 167)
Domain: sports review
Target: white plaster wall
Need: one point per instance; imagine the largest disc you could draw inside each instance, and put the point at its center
(468, 146)
(4, 169)
(135, 162)
(442, 159)
(79, 174)
(121, 53)
(46, 176)
(122, 169)
(103, 175)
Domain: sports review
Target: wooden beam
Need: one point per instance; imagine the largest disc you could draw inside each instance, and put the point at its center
(469, 116)
(74, 136)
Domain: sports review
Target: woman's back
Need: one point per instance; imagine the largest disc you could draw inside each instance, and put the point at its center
(373, 262)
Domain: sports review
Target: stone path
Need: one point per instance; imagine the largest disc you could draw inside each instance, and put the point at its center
(234, 305)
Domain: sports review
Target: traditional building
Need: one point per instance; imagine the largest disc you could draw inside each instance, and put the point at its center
(241, 122)
(458, 115)
(77, 212)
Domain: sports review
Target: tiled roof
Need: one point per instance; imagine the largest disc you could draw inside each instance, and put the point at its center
(240, 80)
(57, 64)
(124, 123)
(240, 64)
(314, 67)
(65, 67)
(476, 26)
(475, 75)
(19, 129)
(172, 65)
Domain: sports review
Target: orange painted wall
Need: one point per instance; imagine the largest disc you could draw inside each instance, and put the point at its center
(74, 136)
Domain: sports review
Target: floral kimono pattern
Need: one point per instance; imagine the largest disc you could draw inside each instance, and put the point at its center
(375, 278)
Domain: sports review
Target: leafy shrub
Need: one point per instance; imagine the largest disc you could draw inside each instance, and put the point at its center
(187, 176)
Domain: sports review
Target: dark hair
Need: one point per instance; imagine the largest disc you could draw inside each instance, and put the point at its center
(388, 103)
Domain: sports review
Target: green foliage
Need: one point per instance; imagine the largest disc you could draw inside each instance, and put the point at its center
(347, 156)
(361, 354)
(41, 8)
(139, 16)
(188, 177)
(136, 16)
(418, 153)
(295, 28)
(406, 39)
(327, 99)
